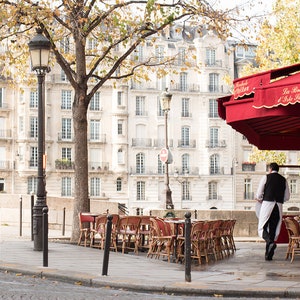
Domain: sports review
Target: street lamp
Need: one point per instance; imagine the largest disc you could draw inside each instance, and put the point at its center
(39, 48)
(165, 101)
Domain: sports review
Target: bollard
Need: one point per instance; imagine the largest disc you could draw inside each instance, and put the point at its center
(21, 208)
(107, 244)
(187, 246)
(196, 215)
(45, 237)
(64, 222)
(31, 209)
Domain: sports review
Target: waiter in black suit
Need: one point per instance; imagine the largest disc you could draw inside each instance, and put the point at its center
(272, 192)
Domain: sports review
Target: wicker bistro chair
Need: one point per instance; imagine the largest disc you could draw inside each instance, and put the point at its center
(293, 230)
(198, 243)
(161, 239)
(85, 225)
(144, 233)
(99, 233)
(128, 231)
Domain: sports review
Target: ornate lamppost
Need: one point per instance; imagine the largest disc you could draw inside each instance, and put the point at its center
(39, 48)
(165, 101)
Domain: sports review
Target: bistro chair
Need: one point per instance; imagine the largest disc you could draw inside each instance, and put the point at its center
(85, 226)
(128, 231)
(144, 232)
(161, 239)
(98, 233)
(293, 230)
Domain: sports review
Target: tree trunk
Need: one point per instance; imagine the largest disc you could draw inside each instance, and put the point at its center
(81, 199)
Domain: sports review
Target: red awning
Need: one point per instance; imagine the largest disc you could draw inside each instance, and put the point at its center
(265, 107)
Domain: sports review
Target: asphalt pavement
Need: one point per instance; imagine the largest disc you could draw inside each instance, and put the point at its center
(243, 274)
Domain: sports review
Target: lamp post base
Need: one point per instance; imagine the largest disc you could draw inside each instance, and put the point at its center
(169, 203)
(38, 225)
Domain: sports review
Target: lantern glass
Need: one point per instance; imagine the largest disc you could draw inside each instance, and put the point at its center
(39, 48)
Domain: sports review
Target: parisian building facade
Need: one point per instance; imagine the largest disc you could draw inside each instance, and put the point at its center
(126, 132)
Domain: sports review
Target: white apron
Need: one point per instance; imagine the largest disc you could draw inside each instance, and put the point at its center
(263, 212)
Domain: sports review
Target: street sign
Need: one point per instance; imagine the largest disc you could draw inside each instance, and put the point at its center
(164, 154)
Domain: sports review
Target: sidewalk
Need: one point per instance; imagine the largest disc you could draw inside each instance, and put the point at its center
(245, 274)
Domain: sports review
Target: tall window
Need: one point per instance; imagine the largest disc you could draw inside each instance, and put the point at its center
(212, 190)
(140, 163)
(293, 186)
(213, 82)
(185, 161)
(63, 76)
(210, 57)
(213, 108)
(213, 137)
(92, 44)
(185, 107)
(33, 103)
(140, 106)
(95, 130)
(95, 186)
(65, 45)
(214, 164)
(248, 194)
(120, 156)
(160, 166)
(33, 127)
(181, 56)
(185, 190)
(32, 185)
(95, 102)
(183, 81)
(66, 153)
(139, 53)
(159, 53)
(140, 190)
(33, 156)
(160, 112)
(185, 136)
(119, 184)
(120, 98)
(66, 100)
(66, 186)
(66, 128)
(120, 127)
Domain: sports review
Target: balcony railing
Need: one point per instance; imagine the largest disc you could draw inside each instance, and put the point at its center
(216, 144)
(4, 134)
(160, 143)
(64, 164)
(191, 88)
(187, 143)
(66, 137)
(140, 142)
(99, 166)
(99, 138)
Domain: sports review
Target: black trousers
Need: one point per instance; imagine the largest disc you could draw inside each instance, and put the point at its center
(271, 224)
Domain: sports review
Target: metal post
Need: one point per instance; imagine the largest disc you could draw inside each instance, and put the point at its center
(196, 214)
(31, 210)
(21, 216)
(45, 237)
(187, 246)
(41, 184)
(64, 222)
(169, 203)
(107, 245)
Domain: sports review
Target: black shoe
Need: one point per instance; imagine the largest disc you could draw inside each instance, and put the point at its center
(271, 250)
